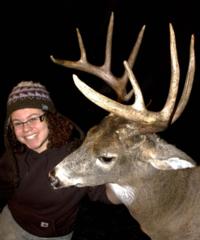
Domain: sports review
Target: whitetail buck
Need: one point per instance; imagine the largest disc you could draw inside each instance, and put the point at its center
(157, 182)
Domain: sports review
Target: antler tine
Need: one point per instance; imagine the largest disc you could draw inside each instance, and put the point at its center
(188, 83)
(175, 77)
(104, 71)
(131, 60)
(150, 121)
(108, 50)
(139, 100)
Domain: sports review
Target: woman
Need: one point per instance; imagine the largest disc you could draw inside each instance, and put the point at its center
(37, 138)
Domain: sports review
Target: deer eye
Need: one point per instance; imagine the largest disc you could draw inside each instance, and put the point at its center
(106, 161)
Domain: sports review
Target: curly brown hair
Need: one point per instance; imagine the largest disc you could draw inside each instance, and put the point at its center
(61, 131)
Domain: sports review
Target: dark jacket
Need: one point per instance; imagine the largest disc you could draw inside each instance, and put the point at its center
(9, 177)
(38, 208)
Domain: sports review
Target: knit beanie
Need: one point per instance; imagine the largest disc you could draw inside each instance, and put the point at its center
(28, 94)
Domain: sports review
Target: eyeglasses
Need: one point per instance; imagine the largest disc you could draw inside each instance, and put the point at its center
(32, 122)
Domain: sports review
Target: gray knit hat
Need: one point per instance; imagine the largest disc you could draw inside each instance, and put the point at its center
(29, 94)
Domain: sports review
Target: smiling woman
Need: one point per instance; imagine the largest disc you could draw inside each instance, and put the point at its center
(26, 108)
(37, 138)
(33, 132)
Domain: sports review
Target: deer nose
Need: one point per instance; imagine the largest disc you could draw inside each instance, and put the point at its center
(54, 181)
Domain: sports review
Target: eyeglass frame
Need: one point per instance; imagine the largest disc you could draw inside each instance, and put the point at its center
(30, 122)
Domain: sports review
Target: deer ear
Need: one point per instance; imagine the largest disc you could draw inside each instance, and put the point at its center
(171, 163)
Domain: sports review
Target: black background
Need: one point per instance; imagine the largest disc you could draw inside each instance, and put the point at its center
(31, 31)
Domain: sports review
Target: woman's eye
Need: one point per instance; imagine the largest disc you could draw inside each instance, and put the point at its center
(34, 119)
(17, 124)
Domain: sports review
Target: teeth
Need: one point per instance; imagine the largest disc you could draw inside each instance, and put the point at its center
(31, 136)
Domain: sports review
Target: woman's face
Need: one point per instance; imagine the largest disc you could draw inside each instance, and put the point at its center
(31, 129)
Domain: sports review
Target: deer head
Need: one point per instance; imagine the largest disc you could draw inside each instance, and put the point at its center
(150, 176)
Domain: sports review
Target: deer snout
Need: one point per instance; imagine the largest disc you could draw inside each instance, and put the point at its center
(54, 180)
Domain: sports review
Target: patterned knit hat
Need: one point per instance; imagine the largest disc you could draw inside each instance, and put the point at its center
(28, 94)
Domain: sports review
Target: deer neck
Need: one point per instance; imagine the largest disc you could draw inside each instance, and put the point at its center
(161, 197)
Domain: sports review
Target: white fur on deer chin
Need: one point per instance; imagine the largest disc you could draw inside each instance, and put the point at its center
(126, 194)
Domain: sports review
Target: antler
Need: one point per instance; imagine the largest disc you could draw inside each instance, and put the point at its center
(104, 71)
(150, 121)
